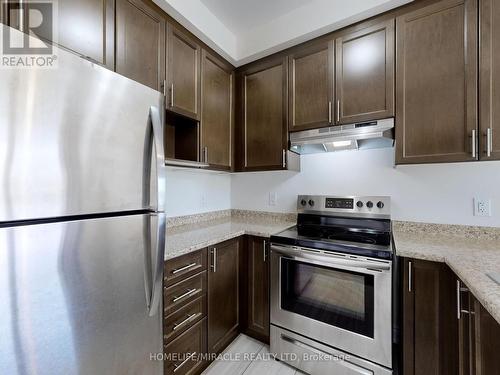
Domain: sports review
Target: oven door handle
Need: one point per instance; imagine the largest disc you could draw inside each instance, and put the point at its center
(327, 260)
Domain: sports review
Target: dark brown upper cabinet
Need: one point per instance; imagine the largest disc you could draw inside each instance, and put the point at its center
(257, 288)
(430, 327)
(85, 27)
(489, 80)
(183, 73)
(217, 85)
(263, 115)
(4, 11)
(223, 294)
(139, 43)
(436, 83)
(364, 79)
(9, 14)
(311, 86)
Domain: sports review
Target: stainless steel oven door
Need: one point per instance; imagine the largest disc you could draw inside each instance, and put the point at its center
(337, 299)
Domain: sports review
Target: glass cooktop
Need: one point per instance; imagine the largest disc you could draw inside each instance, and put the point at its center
(360, 236)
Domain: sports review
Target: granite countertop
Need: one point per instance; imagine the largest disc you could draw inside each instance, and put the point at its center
(471, 252)
(188, 237)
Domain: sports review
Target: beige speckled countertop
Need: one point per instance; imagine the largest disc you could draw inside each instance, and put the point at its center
(222, 226)
(471, 252)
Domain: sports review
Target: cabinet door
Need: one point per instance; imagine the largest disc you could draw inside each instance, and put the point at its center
(430, 329)
(436, 74)
(466, 330)
(489, 79)
(85, 27)
(183, 352)
(216, 111)
(9, 13)
(223, 294)
(140, 41)
(183, 73)
(487, 341)
(258, 288)
(263, 117)
(311, 87)
(365, 74)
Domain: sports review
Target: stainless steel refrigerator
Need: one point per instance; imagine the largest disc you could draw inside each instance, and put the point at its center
(82, 222)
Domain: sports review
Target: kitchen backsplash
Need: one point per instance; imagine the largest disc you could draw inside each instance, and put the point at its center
(437, 193)
(192, 192)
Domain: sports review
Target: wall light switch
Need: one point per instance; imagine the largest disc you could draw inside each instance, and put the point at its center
(273, 198)
(482, 207)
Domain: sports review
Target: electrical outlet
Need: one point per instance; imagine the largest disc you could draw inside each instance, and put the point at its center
(203, 201)
(482, 207)
(273, 198)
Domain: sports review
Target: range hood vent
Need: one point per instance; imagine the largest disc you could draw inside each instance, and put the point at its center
(361, 136)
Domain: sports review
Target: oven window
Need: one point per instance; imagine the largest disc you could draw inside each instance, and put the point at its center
(337, 297)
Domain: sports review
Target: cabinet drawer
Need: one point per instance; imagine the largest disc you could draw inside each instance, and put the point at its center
(182, 353)
(184, 318)
(184, 292)
(178, 269)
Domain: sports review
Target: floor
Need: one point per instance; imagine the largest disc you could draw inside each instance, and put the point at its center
(250, 357)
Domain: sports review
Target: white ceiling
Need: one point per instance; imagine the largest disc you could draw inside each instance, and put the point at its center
(246, 30)
(241, 15)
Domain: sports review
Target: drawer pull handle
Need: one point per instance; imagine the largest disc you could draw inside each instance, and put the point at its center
(185, 321)
(177, 270)
(188, 293)
(178, 367)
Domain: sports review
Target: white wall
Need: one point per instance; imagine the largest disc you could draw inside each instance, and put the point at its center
(191, 192)
(437, 193)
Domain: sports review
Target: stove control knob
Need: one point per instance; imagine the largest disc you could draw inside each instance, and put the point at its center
(303, 202)
(311, 203)
(380, 204)
(369, 204)
(359, 204)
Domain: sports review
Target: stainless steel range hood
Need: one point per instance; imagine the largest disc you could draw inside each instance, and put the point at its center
(361, 136)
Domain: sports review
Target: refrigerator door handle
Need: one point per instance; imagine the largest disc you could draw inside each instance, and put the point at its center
(154, 150)
(157, 281)
(156, 135)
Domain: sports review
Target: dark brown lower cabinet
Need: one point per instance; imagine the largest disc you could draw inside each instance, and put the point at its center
(446, 331)
(466, 330)
(185, 313)
(223, 294)
(487, 339)
(430, 328)
(479, 337)
(257, 275)
(184, 350)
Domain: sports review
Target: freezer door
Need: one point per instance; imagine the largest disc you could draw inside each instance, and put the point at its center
(75, 140)
(75, 297)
